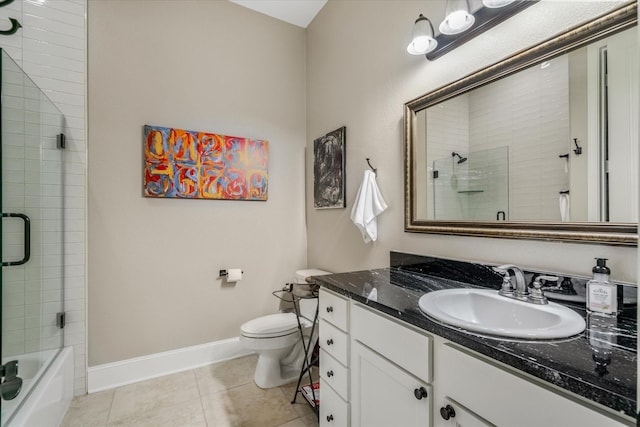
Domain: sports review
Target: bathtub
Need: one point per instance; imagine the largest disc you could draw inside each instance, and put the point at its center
(47, 391)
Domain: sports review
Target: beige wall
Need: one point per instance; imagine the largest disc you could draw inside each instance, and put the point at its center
(200, 65)
(359, 75)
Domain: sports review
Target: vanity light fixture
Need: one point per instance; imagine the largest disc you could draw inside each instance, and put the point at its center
(422, 40)
(461, 24)
(457, 18)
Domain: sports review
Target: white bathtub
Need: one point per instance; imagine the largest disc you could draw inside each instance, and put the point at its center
(45, 400)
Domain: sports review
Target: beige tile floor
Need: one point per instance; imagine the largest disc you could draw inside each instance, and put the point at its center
(219, 395)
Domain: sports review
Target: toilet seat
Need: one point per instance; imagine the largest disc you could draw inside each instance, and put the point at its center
(273, 325)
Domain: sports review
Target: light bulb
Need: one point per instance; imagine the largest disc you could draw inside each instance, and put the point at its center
(457, 19)
(422, 41)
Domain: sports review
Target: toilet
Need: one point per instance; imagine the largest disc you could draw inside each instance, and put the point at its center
(277, 340)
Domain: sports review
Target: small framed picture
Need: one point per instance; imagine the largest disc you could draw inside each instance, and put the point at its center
(329, 152)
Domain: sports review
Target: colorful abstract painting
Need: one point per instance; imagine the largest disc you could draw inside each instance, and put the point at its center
(198, 165)
(328, 170)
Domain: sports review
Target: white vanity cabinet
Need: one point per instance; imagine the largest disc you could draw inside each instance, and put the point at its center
(334, 359)
(380, 371)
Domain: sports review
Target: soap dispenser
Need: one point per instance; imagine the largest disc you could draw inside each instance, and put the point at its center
(602, 295)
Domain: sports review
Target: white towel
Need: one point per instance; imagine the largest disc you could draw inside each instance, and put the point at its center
(368, 205)
(565, 208)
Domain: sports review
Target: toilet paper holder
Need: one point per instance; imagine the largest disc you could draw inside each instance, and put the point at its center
(224, 273)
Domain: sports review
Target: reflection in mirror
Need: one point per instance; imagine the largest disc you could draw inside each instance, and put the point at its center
(518, 136)
(549, 151)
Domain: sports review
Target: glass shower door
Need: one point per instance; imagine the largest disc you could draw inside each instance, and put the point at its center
(32, 272)
(475, 188)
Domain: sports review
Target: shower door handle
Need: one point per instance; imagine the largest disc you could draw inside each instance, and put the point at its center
(27, 238)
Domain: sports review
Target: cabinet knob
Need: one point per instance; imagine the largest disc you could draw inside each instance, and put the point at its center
(447, 412)
(329, 418)
(329, 309)
(330, 341)
(419, 393)
(329, 373)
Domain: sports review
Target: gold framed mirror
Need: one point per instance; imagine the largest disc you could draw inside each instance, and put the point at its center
(481, 161)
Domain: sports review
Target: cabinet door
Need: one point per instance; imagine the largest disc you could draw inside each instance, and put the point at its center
(385, 395)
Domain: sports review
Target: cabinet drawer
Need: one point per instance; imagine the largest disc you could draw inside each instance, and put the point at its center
(335, 374)
(473, 382)
(406, 347)
(333, 309)
(334, 341)
(334, 412)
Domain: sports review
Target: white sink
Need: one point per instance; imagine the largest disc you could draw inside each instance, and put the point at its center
(486, 312)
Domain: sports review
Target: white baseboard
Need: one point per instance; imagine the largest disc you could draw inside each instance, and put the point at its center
(116, 374)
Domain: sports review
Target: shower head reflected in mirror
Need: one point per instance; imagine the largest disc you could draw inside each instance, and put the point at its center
(461, 159)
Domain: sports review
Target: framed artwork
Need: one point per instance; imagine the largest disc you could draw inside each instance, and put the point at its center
(329, 154)
(197, 165)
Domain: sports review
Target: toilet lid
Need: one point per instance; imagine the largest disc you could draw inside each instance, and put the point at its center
(273, 325)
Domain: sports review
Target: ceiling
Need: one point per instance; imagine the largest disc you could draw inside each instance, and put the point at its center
(296, 12)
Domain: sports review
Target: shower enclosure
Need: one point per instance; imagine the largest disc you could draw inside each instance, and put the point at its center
(32, 275)
(475, 187)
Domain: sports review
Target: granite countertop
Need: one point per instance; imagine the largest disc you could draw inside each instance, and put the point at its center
(602, 371)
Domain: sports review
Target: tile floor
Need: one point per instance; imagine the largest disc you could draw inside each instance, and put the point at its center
(218, 395)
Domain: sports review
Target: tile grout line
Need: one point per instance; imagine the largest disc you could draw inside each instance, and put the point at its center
(204, 413)
(113, 398)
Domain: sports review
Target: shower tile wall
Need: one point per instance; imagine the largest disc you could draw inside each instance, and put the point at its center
(449, 131)
(51, 48)
(529, 112)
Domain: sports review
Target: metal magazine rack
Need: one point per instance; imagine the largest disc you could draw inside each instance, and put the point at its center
(311, 348)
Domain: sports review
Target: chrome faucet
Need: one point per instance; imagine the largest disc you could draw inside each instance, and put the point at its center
(520, 290)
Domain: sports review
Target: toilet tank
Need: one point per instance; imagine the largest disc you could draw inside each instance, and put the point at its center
(301, 275)
(307, 305)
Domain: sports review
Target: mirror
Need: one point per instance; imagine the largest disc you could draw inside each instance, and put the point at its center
(538, 146)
